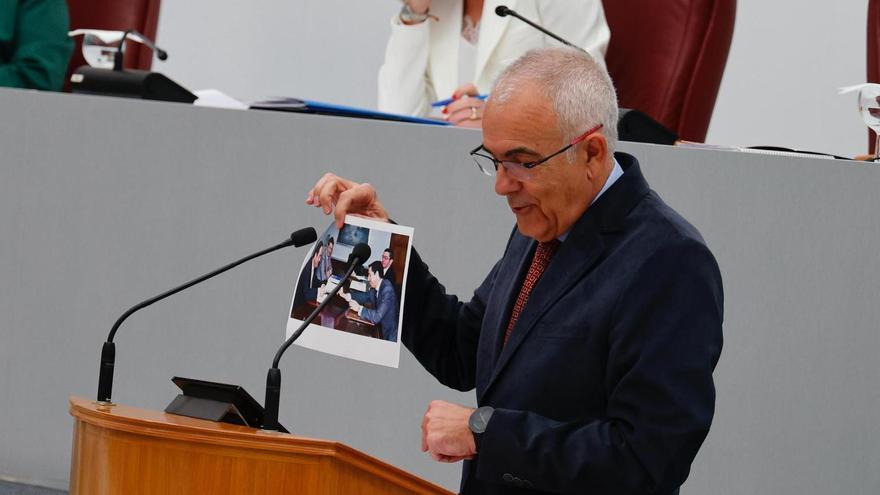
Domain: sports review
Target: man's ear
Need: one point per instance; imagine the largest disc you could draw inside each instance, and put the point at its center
(596, 149)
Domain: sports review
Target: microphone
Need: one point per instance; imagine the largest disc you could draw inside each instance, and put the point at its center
(503, 11)
(358, 256)
(108, 352)
(140, 38)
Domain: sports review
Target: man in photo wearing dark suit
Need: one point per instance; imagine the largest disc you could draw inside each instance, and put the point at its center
(383, 300)
(591, 343)
(308, 284)
(325, 269)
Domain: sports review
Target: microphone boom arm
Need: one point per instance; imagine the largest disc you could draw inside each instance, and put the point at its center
(503, 11)
(108, 351)
(273, 377)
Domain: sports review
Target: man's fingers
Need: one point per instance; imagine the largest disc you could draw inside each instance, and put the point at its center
(322, 193)
(357, 200)
(312, 197)
(347, 203)
(424, 434)
(325, 192)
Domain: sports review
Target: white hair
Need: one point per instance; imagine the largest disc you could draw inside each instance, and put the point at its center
(580, 89)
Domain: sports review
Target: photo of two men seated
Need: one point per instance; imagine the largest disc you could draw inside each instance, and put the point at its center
(368, 303)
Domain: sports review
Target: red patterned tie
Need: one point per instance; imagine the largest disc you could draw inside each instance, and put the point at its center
(543, 254)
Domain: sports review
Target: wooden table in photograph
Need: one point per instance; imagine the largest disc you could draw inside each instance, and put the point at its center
(337, 315)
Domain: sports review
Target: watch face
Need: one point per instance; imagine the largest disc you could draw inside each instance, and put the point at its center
(479, 420)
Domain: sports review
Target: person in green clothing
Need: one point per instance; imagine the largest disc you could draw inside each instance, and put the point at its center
(34, 47)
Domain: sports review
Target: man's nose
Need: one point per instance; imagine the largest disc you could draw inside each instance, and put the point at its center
(505, 183)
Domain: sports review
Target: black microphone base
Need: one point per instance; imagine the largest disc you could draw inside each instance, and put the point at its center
(273, 399)
(105, 373)
(128, 84)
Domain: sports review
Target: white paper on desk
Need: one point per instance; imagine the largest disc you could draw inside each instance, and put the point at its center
(217, 99)
(336, 331)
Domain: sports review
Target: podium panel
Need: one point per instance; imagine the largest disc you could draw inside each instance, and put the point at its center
(120, 449)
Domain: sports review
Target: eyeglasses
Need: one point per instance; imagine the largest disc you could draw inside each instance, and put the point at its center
(520, 171)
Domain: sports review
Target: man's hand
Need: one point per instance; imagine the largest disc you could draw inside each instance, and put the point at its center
(354, 306)
(445, 432)
(344, 197)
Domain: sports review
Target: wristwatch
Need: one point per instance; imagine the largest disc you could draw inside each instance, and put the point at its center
(407, 16)
(479, 420)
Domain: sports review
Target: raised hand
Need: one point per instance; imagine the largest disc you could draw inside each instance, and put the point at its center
(340, 196)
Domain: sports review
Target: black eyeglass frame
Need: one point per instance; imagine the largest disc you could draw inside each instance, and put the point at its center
(530, 165)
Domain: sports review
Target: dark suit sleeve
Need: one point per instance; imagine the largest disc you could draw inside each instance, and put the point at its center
(384, 303)
(303, 291)
(663, 344)
(441, 331)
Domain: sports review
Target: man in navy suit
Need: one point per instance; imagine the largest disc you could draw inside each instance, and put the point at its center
(383, 300)
(591, 343)
(309, 281)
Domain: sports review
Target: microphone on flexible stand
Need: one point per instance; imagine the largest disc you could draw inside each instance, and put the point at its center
(358, 256)
(503, 11)
(136, 36)
(108, 351)
(124, 83)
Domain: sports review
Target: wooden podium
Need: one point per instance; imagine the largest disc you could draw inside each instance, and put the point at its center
(124, 450)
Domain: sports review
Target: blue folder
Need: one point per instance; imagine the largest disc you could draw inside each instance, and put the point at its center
(322, 108)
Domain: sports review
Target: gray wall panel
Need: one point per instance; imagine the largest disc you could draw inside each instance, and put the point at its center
(106, 202)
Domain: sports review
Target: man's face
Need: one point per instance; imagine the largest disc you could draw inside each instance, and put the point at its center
(372, 278)
(329, 249)
(386, 260)
(316, 259)
(525, 129)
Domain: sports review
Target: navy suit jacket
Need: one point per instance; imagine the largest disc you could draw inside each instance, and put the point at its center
(605, 386)
(384, 310)
(307, 286)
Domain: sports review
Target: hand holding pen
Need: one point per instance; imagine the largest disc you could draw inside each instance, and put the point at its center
(465, 108)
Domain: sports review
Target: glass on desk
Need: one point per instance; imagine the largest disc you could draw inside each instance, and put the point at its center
(869, 107)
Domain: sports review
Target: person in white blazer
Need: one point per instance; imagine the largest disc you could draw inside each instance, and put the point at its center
(422, 59)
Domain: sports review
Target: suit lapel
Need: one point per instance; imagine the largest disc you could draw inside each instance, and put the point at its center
(575, 257)
(492, 28)
(506, 294)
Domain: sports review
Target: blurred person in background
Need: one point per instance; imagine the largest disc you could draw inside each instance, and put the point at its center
(34, 46)
(441, 49)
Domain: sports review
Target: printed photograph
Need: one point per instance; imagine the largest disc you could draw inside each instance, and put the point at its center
(369, 302)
